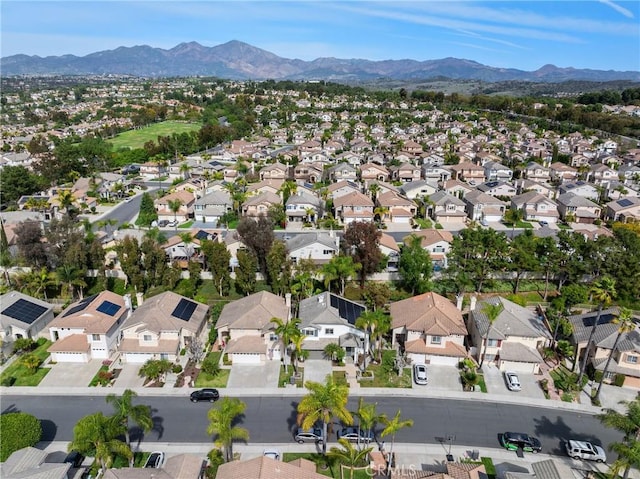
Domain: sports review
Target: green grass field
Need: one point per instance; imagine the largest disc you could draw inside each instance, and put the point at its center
(137, 138)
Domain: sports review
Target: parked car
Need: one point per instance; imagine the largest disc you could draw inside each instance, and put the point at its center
(519, 440)
(172, 223)
(352, 434)
(420, 374)
(513, 382)
(272, 453)
(210, 395)
(155, 460)
(74, 458)
(543, 223)
(585, 450)
(309, 435)
(163, 223)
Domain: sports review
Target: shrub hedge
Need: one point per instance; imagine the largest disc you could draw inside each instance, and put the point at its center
(19, 430)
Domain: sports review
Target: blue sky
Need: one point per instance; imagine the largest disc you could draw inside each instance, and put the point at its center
(598, 34)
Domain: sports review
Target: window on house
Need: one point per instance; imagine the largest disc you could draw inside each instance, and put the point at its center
(95, 337)
(632, 359)
(493, 343)
(436, 339)
(328, 331)
(147, 337)
(327, 251)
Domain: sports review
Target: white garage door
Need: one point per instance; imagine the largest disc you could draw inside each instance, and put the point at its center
(70, 357)
(443, 360)
(517, 367)
(137, 358)
(245, 358)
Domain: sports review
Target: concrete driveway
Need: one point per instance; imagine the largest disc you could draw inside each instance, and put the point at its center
(263, 375)
(441, 378)
(316, 370)
(494, 379)
(71, 374)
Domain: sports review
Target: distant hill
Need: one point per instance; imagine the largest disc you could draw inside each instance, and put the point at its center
(236, 60)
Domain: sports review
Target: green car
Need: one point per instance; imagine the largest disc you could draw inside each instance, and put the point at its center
(518, 440)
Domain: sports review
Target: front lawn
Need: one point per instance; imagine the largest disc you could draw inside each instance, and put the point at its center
(384, 374)
(18, 375)
(285, 376)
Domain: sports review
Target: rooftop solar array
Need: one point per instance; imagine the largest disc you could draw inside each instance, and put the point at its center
(107, 307)
(347, 309)
(24, 311)
(625, 202)
(80, 306)
(184, 310)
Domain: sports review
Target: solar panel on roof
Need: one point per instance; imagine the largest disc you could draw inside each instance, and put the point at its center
(184, 310)
(107, 307)
(80, 306)
(625, 202)
(346, 309)
(24, 311)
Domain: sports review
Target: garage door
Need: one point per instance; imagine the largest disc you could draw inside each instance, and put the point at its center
(137, 358)
(315, 354)
(245, 358)
(518, 367)
(443, 360)
(69, 357)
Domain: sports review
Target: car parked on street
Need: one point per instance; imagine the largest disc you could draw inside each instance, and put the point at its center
(585, 450)
(309, 435)
(353, 434)
(155, 460)
(420, 374)
(512, 380)
(519, 440)
(206, 394)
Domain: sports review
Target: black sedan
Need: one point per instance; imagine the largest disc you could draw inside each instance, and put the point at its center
(210, 395)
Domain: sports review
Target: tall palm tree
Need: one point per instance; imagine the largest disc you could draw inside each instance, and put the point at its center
(65, 199)
(222, 423)
(71, 278)
(492, 311)
(628, 457)
(626, 324)
(39, 281)
(367, 415)
(391, 427)
(350, 456)
(323, 403)
(286, 331)
(97, 435)
(340, 269)
(296, 350)
(370, 321)
(126, 411)
(174, 206)
(628, 424)
(374, 189)
(603, 292)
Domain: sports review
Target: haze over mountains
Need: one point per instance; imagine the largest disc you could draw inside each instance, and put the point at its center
(236, 60)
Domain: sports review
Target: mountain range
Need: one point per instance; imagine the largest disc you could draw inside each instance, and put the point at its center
(237, 60)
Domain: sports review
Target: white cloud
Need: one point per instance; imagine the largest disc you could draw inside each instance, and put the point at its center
(618, 8)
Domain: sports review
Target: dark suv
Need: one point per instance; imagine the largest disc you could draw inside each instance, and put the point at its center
(518, 440)
(74, 458)
(210, 395)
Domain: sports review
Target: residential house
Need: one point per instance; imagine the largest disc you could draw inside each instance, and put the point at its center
(303, 207)
(602, 175)
(31, 463)
(161, 327)
(581, 188)
(266, 186)
(246, 331)
(89, 328)
(483, 207)
(562, 173)
(468, 172)
(456, 188)
(153, 169)
(342, 188)
(353, 207)
(577, 209)
(397, 209)
(498, 188)
(329, 318)
(274, 171)
(429, 329)
(495, 171)
(514, 340)
(626, 210)
(212, 206)
(545, 189)
(390, 249)
(373, 171)
(308, 172)
(23, 316)
(180, 251)
(267, 468)
(626, 357)
(536, 207)
(183, 199)
(405, 173)
(437, 243)
(318, 247)
(179, 466)
(418, 189)
(536, 172)
(259, 205)
(435, 173)
(341, 171)
(454, 470)
(446, 208)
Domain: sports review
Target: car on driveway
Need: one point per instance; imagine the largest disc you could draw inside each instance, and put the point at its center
(74, 458)
(352, 434)
(512, 380)
(420, 374)
(272, 453)
(519, 440)
(309, 435)
(155, 460)
(210, 395)
(585, 450)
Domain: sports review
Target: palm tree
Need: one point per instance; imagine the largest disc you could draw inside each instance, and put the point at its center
(286, 331)
(222, 423)
(97, 435)
(626, 324)
(629, 424)
(350, 456)
(370, 321)
(628, 457)
(65, 199)
(334, 352)
(323, 402)
(392, 426)
(492, 311)
(340, 268)
(71, 278)
(513, 216)
(296, 350)
(126, 411)
(367, 416)
(39, 281)
(174, 206)
(603, 292)
(374, 189)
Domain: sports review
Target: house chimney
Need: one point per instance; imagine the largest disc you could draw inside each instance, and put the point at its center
(127, 303)
(472, 306)
(139, 299)
(459, 298)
